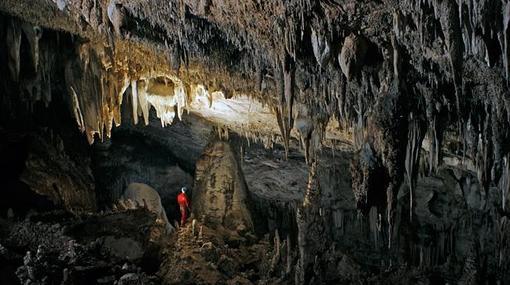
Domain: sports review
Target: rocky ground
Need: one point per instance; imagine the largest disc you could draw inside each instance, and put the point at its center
(128, 247)
(201, 255)
(59, 248)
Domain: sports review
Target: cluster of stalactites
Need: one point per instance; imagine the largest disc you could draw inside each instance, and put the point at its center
(97, 84)
(95, 90)
(37, 87)
(167, 96)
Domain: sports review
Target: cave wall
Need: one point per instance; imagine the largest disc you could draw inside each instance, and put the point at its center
(45, 161)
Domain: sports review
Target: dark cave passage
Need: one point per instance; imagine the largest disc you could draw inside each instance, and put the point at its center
(130, 159)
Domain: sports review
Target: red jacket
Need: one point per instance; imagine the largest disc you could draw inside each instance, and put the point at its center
(183, 200)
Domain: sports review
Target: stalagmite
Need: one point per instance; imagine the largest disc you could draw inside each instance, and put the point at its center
(311, 229)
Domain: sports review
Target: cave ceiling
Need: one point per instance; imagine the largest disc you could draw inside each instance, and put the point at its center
(384, 76)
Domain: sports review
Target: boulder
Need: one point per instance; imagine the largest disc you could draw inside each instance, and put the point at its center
(142, 195)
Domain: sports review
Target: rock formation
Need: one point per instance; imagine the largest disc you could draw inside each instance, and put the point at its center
(311, 230)
(220, 195)
(139, 195)
(352, 56)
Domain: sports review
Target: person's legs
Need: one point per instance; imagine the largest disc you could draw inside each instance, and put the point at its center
(183, 215)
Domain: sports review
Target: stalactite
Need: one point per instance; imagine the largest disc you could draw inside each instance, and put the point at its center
(502, 234)
(33, 34)
(181, 99)
(373, 221)
(13, 40)
(117, 16)
(321, 48)
(504, 182)
(359, 125)
(288, 268)
(76, 109)
(483, 159)
(134, 102)
(304, 125)
(449, 18)
(117, 100)
(289, 86)
(396, 57)
(414, 140)
(506, 35)
(276, 254)
(280, 110)
(142, 100)
(397, 24)
(219, 51)
(435, 138)
(352, 55)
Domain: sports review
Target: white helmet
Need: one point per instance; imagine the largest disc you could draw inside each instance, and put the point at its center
(183, 189)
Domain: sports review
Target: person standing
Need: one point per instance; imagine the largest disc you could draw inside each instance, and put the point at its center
(184, 204)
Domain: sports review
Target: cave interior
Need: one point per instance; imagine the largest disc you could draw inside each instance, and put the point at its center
(319, 141)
